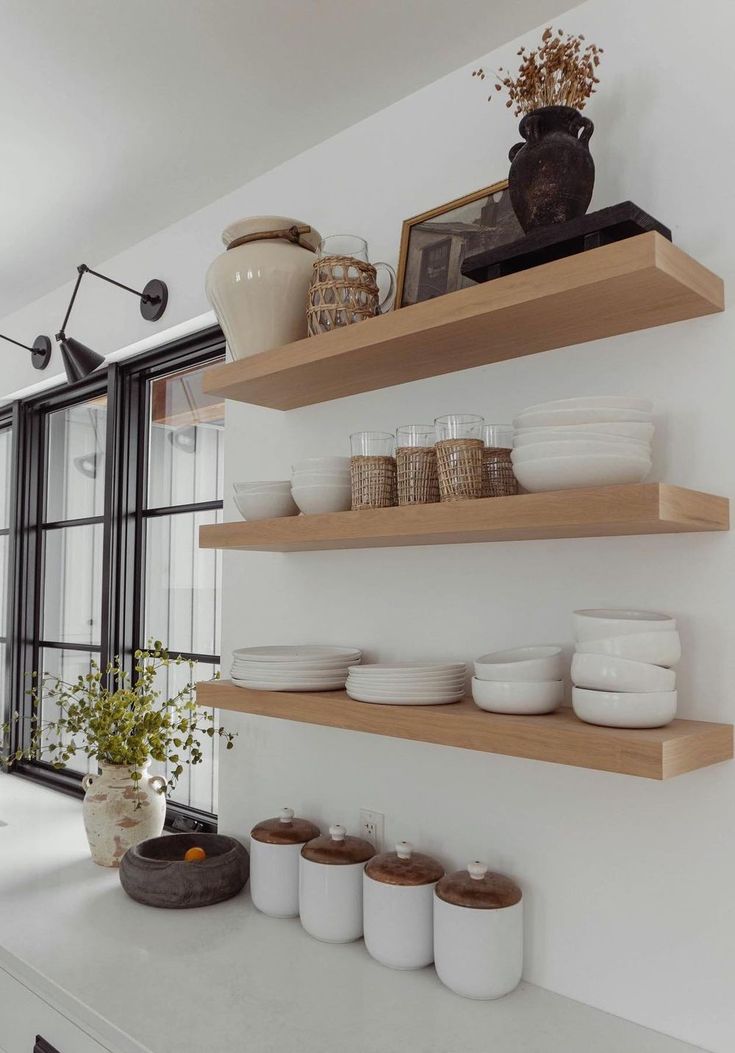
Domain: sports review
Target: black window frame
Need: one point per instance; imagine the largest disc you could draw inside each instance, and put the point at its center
(127, 385)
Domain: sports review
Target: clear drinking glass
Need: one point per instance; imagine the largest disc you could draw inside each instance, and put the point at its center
(372, 469)
(418, 483)
(414, 435)
(498, 436)
(498, 479)
(459, 426)
(459, 455)
(372, 444)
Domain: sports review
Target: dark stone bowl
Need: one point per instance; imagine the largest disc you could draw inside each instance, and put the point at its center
(156, 873)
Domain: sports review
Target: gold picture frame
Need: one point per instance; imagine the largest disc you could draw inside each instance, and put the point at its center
(433, 266)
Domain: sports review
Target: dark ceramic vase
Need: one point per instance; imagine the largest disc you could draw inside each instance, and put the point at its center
(552, 173)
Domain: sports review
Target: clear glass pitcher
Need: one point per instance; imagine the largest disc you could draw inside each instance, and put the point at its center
(345, 288)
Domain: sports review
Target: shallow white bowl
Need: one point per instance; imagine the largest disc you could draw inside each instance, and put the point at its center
(265, 504)
(517, 696)
(611, 621)
(555, 418)
(411, 668)
(605, 673)
(256, 669)
(526, 664)
(272, 685)
(320, 479)
(381, 698)
(267, 484)
(620, 430)
(536, 437)
(594, 402)
(317, 500)
(579, 448)
(658, 648)
(320, 464)
(614, 709)
(569, 473)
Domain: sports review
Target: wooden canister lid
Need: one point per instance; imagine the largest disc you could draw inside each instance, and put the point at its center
(284, 829)
(480, 888)
(338, 849)
(404, 867)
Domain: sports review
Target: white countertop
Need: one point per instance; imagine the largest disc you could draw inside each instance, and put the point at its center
(228, 978)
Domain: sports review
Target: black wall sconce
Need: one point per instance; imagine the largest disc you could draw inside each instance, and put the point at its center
(40, 351)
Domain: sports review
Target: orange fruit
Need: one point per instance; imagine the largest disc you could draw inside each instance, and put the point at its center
(195, 854)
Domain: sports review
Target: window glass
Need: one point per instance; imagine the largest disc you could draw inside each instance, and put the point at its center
(75, 475)
(6, 443)
(67, 666)
(72, 610)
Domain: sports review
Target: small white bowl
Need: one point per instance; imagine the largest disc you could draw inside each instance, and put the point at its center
(604, 622)
(612, 709)
(605, 673)
(266, 504)
(594, 402)
(593, 415)
(662, 648)
(274, 484)
(321, 464)
(579, 448)
(522, 440)
(318, 500)
(569, 473)
(517, 696)
(642, 432)
(317, 478)
(522, 663)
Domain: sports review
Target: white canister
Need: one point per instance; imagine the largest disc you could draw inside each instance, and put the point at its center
(258, 287)
(398, 907)
(478, 932)
(330, 886)
(275, 847)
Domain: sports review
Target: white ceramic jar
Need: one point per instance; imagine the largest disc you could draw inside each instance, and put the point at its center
(275, 848)
(478, 932)
(398, 907)
(330, 886)
(258, 287)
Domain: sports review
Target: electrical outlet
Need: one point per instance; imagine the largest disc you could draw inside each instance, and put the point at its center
(372, 826)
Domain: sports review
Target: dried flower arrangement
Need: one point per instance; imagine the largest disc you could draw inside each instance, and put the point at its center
(561, 71)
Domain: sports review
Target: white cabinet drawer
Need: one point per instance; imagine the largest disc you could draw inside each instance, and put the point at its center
(23, 1015)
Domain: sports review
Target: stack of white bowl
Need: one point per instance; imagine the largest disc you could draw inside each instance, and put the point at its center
(622, 668)
(408, 684)
(265, 500)
(322, 484)
(595, 440)
(527, 680)
(307, 667)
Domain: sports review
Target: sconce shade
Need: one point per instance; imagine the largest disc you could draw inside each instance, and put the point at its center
(79, 361)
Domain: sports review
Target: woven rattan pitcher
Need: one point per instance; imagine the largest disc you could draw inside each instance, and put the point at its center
(344, 285)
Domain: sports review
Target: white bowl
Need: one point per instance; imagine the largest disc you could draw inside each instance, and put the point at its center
(662, 648)
(594, 415)
(320, 464)
(579, 448)
(320, 478)
(547, 436)
(609, 621)
(612, 709)
(260, 485)
(517, 696)
(522, 663)
(568, 473)
(317, 500)
(594, 402)
(265, 504)
(605, 673)
(619, 430)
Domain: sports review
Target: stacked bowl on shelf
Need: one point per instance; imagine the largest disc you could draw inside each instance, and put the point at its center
(595, 440)
(621, 668)
(407, 684)
(306, 667)
(526, 680)
(322, 484)
(265, 500)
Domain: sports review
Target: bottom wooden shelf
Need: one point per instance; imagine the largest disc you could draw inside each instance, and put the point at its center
(559, 738)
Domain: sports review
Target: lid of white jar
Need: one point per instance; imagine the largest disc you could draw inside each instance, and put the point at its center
(479, 888)
(255, 228)
(338, 848)
(404, 867)
(284, 829)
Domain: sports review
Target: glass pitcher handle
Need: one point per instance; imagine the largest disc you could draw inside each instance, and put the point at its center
(384, 304)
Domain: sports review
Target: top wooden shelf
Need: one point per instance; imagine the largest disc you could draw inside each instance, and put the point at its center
(631, 285)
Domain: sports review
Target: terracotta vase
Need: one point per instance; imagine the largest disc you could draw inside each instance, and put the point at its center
(118, 814)
(552, 173)
(259, 286)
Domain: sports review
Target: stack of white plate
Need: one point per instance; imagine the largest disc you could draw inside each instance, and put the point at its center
(622, 668)
(526, 680)
(265, 500)
(307, 667)
(408, 684)
(322, 484)
(594, 440)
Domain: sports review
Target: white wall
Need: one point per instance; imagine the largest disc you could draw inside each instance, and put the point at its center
(628, 882)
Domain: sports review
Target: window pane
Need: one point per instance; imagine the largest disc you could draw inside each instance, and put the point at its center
(67, 666)
(75, 487)
(73, 584)
(4, 545)
(183, 584)
(6, 441)
(3, 671)
(186, 439)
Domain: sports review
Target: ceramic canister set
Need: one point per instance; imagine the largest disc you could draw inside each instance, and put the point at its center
(469, 923)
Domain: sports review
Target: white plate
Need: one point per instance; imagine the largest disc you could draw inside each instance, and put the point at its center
(554, 418)
(613, 709)
(400, 668)
(287, 678)
(569, 473)
(295, 652)
(316, 665)
(369, 696)
(270, 685)
(619, 430)
(594, 402)
(579, 448)
(546, 436)
(412, 681)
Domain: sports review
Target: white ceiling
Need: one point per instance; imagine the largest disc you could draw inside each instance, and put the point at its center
(118, 117)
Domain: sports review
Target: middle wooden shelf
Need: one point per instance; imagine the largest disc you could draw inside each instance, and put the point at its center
(644, 508)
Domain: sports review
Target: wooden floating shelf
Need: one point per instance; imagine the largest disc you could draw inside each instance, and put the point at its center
(634, 284)
(658, 753)
(646, 508)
